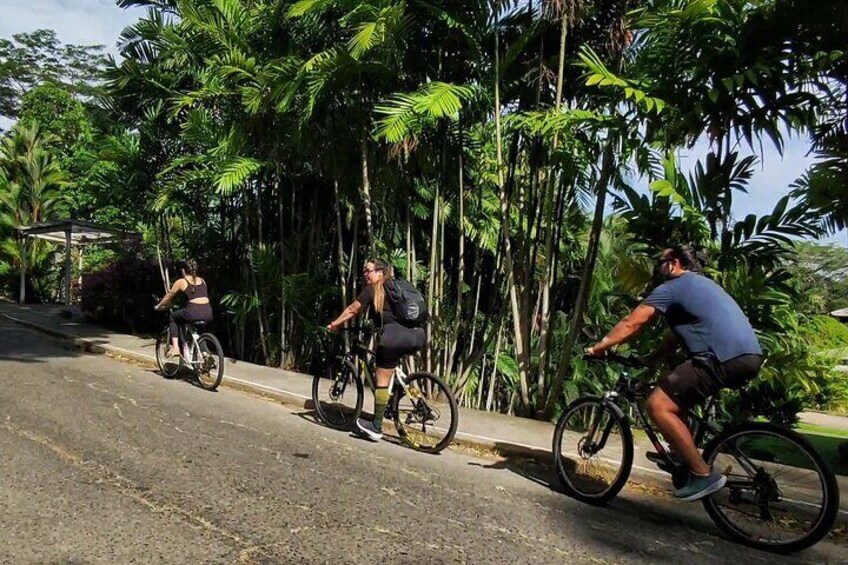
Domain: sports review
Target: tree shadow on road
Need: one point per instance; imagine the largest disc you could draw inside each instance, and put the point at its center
(645, 521)
(535, 465)
(183, 375)
(21, 359)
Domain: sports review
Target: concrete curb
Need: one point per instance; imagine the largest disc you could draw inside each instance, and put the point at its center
(501, 448)
(90, 346)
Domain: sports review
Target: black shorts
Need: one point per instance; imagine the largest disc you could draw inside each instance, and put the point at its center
(397, 341)
(700, 377)
(191, 313)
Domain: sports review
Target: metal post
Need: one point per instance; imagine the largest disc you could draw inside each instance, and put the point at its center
(22, 293)
(68, 267)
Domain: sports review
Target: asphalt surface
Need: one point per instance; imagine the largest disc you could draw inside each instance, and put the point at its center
(104, 462)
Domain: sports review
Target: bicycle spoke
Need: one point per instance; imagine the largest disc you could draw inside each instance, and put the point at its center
(591, 449)
(337, 396)
(778, 497)
(425, 416)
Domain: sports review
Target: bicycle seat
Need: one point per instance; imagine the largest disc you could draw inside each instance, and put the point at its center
(199, 323)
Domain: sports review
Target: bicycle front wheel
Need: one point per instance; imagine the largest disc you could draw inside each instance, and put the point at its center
(210, 363)
(337, 394)
(425, 413)
(168, 366)
(593, 450)
(780, 494)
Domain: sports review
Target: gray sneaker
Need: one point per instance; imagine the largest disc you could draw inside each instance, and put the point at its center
(697, 487)
(367, 428)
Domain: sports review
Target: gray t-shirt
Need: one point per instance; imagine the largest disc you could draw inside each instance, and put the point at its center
(705, 317)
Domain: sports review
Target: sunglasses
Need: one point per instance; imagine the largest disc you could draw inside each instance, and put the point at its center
(367, 272)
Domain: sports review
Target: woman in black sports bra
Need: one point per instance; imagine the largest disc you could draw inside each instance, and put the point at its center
(198, 308)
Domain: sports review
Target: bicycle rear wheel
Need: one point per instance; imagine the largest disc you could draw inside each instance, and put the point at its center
(209, 365)
(780, 494)
(593, 450)
(168, 366)
(337, 394)
(425, 414)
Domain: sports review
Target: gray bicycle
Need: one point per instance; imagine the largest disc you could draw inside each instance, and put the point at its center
(200, 351)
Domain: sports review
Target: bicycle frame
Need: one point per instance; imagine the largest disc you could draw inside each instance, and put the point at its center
(188, 337)
(360, 353)
(361, 356)
(633, 397)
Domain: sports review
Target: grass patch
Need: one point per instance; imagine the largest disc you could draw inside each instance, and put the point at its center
(828, 446)
(822, 431)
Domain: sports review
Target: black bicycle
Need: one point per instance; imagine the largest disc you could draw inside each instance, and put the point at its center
(421, 405)
(780, 494)
(200, 352)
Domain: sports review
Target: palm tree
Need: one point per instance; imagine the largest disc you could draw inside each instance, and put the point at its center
(30, 192)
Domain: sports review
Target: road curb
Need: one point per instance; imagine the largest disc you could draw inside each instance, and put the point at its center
(500, 448)
(89, 346)
(80, 343)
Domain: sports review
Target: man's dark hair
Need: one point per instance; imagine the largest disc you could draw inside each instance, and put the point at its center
(690, 258)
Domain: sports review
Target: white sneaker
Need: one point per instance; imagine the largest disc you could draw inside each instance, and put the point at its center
(367, 429)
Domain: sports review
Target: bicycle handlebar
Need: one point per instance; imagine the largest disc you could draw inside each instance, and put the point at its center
(352, 329)
(610, 357)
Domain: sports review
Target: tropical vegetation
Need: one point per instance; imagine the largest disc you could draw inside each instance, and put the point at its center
(521, 162)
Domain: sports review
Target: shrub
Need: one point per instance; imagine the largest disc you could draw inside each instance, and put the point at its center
(825, 333)
(122, 295)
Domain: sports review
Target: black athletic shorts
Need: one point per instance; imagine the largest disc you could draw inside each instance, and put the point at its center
(396, 341)
(700, 377)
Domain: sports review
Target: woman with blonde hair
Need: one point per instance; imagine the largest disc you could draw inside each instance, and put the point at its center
(394, 340)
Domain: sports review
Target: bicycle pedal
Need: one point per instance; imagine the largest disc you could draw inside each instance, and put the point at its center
(655, 457)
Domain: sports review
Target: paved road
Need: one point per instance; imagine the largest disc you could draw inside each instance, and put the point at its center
(103, 462)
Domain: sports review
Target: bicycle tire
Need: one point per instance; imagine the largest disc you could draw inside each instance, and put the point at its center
(213, 363)
(570, 484)
(342, 373)
(169, 369)
(830, 507)
(405, 434)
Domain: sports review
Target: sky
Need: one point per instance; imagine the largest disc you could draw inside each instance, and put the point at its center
(90, 22)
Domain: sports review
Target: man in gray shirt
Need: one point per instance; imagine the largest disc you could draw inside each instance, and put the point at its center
(723, 352)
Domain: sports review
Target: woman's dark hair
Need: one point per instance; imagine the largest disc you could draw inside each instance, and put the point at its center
(691, 259)
(187, 265)
(380, 265)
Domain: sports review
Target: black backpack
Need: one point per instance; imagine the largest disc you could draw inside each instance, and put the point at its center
(407, 303)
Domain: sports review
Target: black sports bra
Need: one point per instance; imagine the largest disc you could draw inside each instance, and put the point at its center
(194, 291)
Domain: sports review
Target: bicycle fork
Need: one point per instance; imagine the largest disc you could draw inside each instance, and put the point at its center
(591, 445)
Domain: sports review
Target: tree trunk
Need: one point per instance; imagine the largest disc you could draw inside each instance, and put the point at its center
(340, 247)
(520, 353)
(493, 376)
(607, 168)
(431, 284)
(549, 273)
(278, 188)
(366, 190)
(263, 337)
(460, 269)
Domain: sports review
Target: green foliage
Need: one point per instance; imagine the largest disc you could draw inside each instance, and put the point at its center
(820, 274)
(38, 57)
(30, 192)
(281, 144)
(825, 333)
(408, 114)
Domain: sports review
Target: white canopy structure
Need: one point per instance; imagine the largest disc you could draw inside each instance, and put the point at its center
(70, 233)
